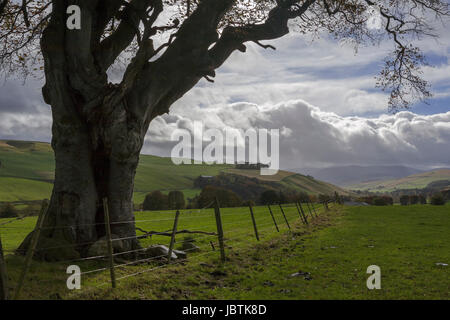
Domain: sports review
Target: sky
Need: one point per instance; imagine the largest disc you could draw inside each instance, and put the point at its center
(320, 94)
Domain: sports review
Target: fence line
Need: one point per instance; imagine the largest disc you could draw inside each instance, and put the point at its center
(3, 275)
(261, 223)
(177, 262)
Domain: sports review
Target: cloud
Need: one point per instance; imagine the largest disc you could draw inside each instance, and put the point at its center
(15, 97)
(309, 136)
(349, 127)
(312, 137)
(324, 72)
(26, 126)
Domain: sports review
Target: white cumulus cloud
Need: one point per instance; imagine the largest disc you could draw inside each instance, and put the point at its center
(312, 137)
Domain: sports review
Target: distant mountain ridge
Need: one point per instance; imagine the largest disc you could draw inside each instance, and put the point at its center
(421, 180)
(350, 175)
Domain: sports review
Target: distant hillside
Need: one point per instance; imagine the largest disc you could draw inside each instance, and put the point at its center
(285, 181)
(27, 173)
(416, 181)
(350, 175)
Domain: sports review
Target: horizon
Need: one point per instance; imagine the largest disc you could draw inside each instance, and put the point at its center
(423, 169)
(316, 104)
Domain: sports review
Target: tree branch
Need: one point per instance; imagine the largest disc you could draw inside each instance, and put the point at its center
(111, 47)
(3, 5)
(276, 26)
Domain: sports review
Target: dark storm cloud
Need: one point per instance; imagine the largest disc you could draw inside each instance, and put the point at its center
(16, 97)
(23, 113)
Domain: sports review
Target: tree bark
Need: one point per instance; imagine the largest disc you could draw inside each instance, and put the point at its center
(85, 173)
(96, 142)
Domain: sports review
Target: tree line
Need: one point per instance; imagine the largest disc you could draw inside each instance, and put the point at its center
(405, 199)
(175, 200)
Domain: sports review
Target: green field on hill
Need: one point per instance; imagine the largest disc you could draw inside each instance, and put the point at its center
(27, 171)
(415, 181)
(327, 259)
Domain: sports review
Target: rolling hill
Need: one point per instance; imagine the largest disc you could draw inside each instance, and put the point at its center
(352, 175)
(26, 173)
(415, 181)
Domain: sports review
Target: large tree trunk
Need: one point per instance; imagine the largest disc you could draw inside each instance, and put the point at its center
(85, 174)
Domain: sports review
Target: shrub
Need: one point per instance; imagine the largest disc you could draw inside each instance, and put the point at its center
(422, 199)
(227, 198)
(338, 198)
(437, 199)
(8, 211)
(298, 196)
(324, 197)
(378, 201)
(176, 200)
(389, 200)
(404, 200)
(269, 197)
(382, 201)
(155, 201)
(282, 198)
(248, 203)
(414, 199)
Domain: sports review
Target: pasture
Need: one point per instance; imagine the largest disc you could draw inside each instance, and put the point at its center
(326, 259)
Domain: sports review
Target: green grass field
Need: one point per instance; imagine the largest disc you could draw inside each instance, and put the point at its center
(406, 242)
(27, 172)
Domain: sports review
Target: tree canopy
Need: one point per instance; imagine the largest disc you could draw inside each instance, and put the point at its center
(175, 43)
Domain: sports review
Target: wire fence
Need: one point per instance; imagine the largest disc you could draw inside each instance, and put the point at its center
(208, 233)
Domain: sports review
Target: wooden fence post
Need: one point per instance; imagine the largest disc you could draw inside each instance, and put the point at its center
(303, 212)
(300, 213)
(285, 219)
(309, 209)
(109, 242)
(31, 248)
(3, 275)
(273, 218)
(172, 239)
(219, 230)
(312, 205)
(254, 222)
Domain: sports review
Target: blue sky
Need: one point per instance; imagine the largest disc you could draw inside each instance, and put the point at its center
(315, 71)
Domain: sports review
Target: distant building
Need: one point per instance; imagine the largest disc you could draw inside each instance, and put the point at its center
(251, 166)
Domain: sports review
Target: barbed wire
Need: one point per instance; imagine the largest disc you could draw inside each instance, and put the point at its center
(263, 221)
(238, 239)
(227, 239)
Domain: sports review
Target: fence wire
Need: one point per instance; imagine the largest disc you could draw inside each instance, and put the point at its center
(237, 225)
